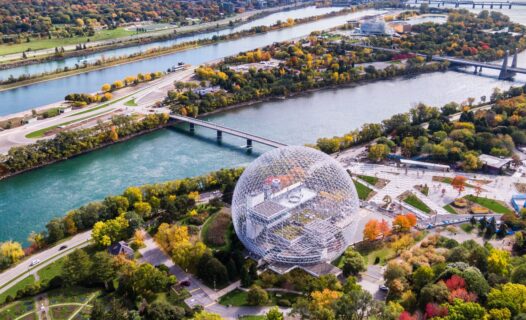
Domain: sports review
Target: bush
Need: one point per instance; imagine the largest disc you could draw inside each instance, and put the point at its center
(284, 303)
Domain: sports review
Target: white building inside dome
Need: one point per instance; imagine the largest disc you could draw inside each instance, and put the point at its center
(292, 206)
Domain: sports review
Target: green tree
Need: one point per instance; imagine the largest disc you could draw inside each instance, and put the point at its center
(161, 310)
(422, 276)
(274, 314)
(257, 296)
(76, 268)
(353, 263)
(103, 268)
(461, 310)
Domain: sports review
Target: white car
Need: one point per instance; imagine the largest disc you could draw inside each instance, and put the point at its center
(34, 262)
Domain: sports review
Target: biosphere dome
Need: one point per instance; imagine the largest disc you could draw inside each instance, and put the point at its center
(292, 205)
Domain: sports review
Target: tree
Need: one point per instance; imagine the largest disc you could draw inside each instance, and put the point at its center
(385, 230)
(146, 280)
(378, 152)
(257, 296)
(274, 314)
(466, 310)
(161, 310)
(76, 268)
(403, 223)
(11, 251)
(511, 296)
(105, 87)
(105, 233)
(203, 315)
(144, 209)
(55, 230)
(103, 268)
(134, 194)
(459, 183)
(433, 293)
(353, 263)
(499, 262)
(422, 276)
(371, 230)
(212, 271)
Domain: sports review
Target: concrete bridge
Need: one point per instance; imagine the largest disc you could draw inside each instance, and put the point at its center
(250, 138)
(506, 72)
(473, 3)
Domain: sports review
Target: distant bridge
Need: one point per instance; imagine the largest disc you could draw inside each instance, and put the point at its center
(473, 3)
(506, 72)
(250, 138)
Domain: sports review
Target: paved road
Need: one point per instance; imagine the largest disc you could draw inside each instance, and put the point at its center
(181, 30)
(145, 94)
(46, 257)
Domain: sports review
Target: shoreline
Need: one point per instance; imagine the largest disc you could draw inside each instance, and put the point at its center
(226, 109)
(162, 51)
(157, 36)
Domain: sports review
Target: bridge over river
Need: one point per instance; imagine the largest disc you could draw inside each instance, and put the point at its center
(222, 129)
(506, 72)
(474, 3)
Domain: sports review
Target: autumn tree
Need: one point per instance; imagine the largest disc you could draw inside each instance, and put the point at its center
(105, 87)
(11, 252)
(459, 183)
(371, 230)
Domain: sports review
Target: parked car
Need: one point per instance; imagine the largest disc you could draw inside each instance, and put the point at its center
(185, 283)
(34, 262)
(383, 287)
(62, 247)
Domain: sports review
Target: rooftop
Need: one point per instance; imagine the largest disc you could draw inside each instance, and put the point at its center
(494, 162)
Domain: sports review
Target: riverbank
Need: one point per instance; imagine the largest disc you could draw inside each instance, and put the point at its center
(7, 173)
(48, 54)
(161, 51)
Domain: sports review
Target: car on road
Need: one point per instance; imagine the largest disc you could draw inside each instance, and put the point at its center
(62, 247)
(383, 287)
(34, 262)
(184, 283)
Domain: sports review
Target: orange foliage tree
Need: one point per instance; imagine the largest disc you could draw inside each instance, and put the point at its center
(404, 222)
(459, 183)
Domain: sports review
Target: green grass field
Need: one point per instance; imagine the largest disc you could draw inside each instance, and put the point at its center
(369, 179)
(417, 203)
(38, 44)
(239, 298)
(493, 205)
(450, 209)
(363, 191)
(131, 103)
(52, 270)
(14, 289)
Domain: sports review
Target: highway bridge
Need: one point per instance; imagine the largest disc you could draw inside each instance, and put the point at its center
(474, 3)
(250, 138)
(506, 72)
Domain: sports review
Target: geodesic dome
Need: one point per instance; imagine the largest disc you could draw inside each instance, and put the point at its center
(292, 205)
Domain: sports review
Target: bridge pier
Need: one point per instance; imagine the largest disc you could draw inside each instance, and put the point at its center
(503, 75)
(249, 144)
(219, 135)
(192, 127)
(491, 6)
(509, 6)
(456, 6)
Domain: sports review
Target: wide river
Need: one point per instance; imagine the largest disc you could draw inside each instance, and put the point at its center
(71, 62)
(29, 97)
(28, 201)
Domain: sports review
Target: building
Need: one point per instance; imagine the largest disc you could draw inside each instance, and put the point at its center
(121, 247)
(292, 207)
(494, 165)
(400, 27)
(374, 27)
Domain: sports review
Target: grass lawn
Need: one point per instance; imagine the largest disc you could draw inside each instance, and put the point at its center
(450, 209)
(369, 179)
(217, 230)
(363, 191)
(40, 133)
(51, 270)
(14, 289)
(417, 203)
(493, 205)
(239, 298)
(384, 254)
(131, 103)
(234, 298)
(17, 309)
(38, 44)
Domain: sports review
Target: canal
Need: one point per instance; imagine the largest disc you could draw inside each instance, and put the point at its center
(71, 62)
(29, 97)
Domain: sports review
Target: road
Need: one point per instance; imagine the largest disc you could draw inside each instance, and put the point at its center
(46, 257)
(145, 95)
(201, 294)
(180, 30)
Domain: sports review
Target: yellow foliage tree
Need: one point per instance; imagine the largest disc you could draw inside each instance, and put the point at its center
(105, 87)
(12, 251)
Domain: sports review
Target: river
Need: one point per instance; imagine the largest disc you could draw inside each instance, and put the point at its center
(71, 62)
(29, 97)
(29, 200)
